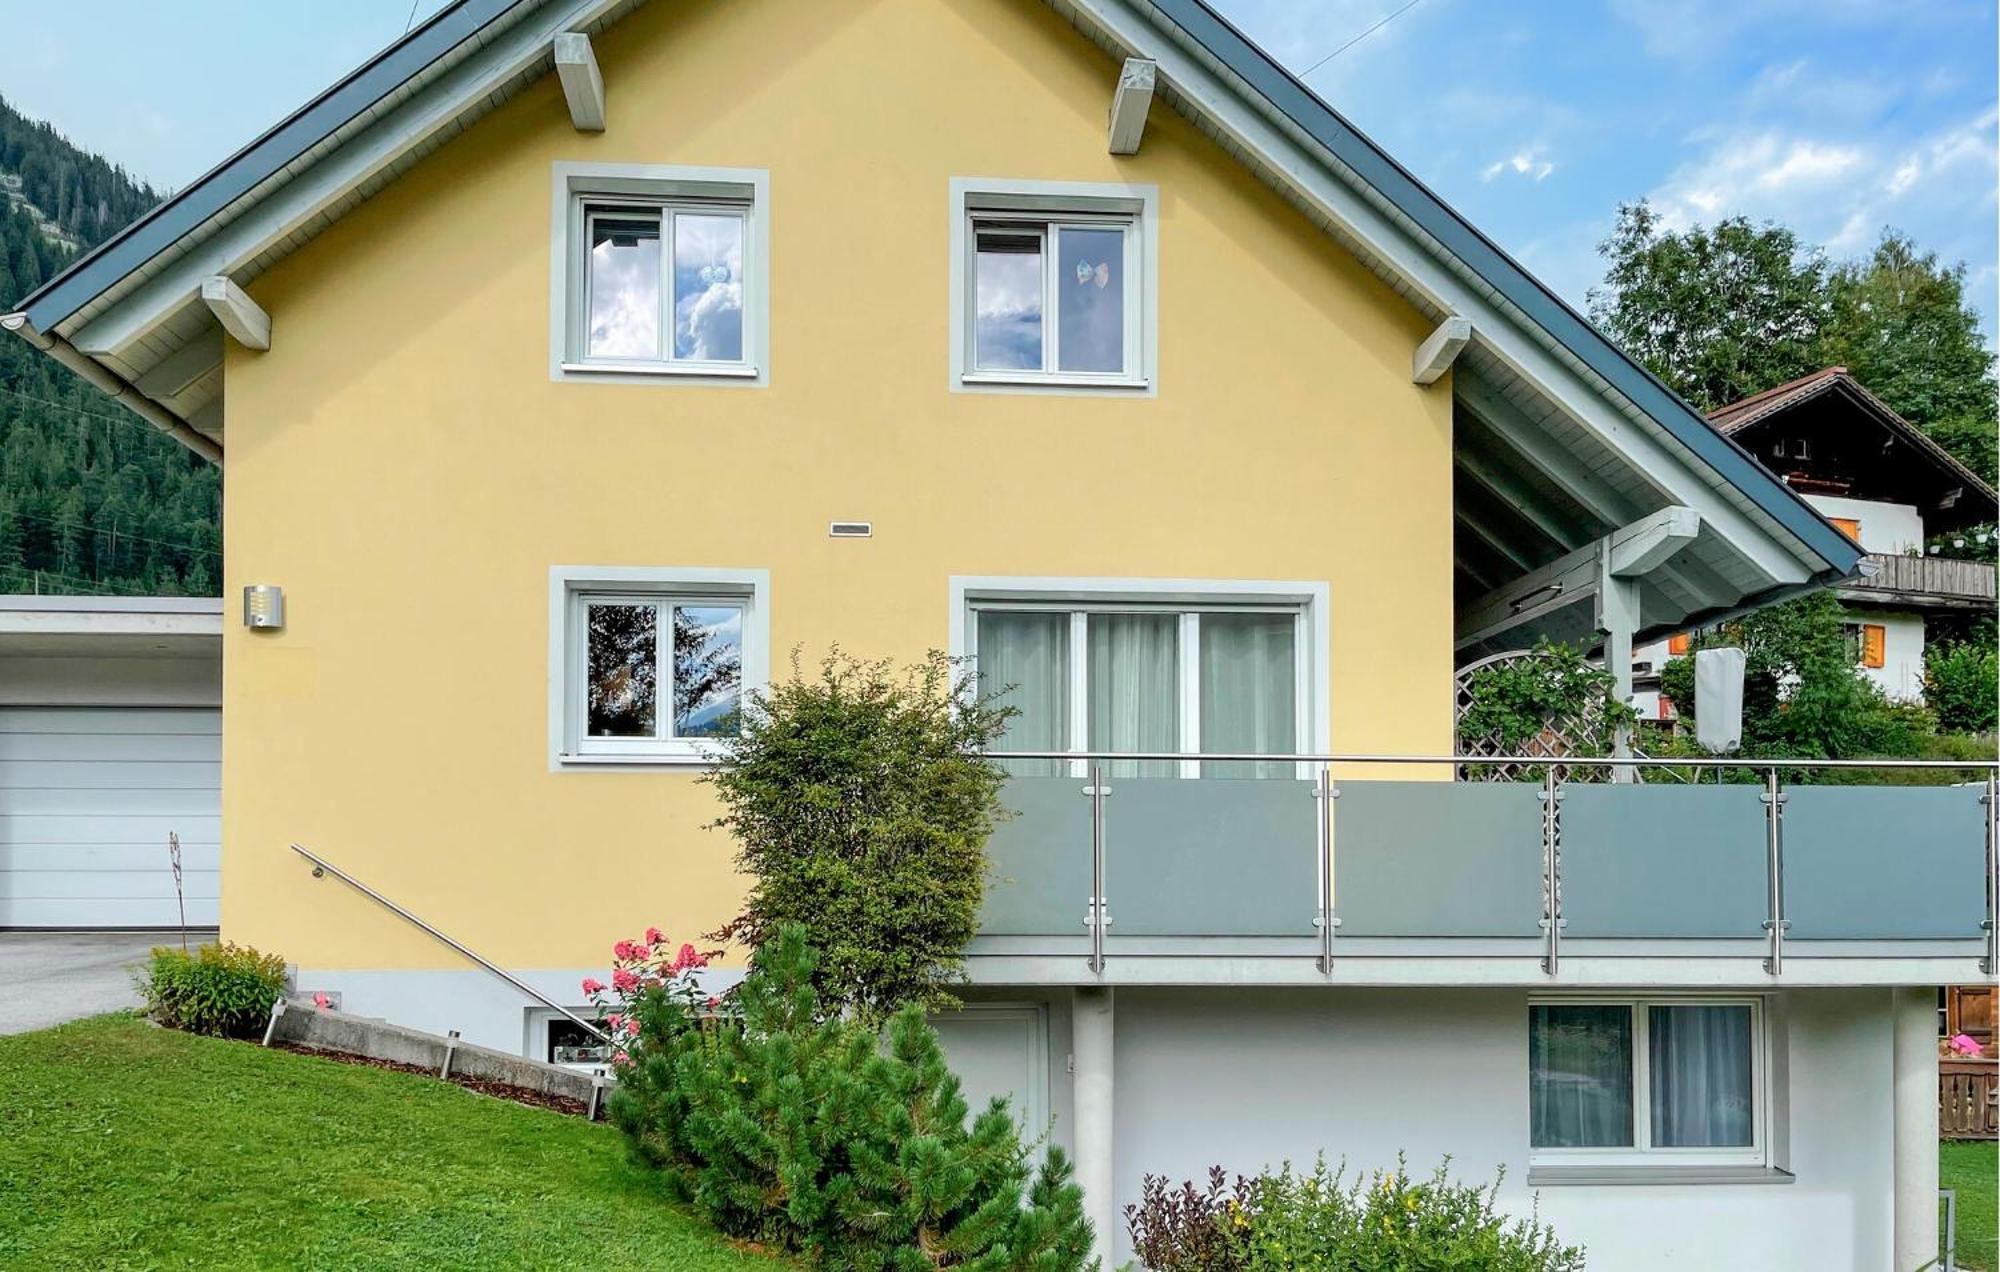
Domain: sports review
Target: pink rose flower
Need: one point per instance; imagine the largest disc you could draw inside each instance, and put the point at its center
(654, 936)
(592, 985)
(623, 951)
(624, 981)
(688, 959)
(322, 1002)
(615, 1021)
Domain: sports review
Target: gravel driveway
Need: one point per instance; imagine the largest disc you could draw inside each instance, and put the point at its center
(49, 977)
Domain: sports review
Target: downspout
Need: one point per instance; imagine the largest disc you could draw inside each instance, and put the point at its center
(114, 387)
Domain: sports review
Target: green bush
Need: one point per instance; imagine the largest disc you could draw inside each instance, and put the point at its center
(1277, 1222)
(861, 805)
(1962, 685)
(790, 1127)
(225, 990)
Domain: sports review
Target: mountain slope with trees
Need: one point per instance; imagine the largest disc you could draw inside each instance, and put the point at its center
(92, 499)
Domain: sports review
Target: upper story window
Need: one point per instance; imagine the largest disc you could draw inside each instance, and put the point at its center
(658, 272)
(1053, 286)
(652, 665)
(1633, 1080)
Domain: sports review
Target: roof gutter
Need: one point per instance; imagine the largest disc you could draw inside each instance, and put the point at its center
(115, 387)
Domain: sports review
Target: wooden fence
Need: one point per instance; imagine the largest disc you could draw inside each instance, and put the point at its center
(1969, 1099)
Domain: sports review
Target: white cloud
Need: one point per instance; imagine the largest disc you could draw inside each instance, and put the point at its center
(1530, 162)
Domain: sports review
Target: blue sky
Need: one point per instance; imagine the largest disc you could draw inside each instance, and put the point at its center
(1535, 119)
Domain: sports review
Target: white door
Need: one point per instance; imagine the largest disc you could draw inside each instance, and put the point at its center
(88, 796)
(1000, 1049)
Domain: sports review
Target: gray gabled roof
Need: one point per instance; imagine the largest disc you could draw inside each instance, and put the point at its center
(319, 119)
(236, 182)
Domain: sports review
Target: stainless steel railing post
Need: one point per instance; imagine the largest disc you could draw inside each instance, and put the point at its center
(1552, 920)
(1991, 963)
(1326, 922)
(1774, 865)
(1098, 915)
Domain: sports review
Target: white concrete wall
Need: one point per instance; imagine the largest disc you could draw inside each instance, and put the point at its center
(1244, 1078)
(1901, 674)
(1888, 528)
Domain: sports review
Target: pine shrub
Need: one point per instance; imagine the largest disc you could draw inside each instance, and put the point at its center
(812, 1133)
(225, 990)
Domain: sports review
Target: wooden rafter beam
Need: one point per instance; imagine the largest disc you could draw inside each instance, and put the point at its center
(1440, 349)
(1627, 553)
(1129, 104)
(582, 82)
(243, 318)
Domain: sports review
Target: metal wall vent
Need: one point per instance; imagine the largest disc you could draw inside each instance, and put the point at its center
(851, 530)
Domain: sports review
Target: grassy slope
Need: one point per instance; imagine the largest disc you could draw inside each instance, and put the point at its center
(122, 1145)
(1970, 1166)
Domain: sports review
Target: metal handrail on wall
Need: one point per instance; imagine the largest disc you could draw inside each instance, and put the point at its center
(322, 867)
(1328, 791)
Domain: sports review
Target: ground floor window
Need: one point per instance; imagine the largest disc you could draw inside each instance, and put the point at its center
(1674, 1079)
(566, 1042)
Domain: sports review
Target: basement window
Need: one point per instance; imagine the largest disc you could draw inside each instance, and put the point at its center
(1652, 1082)
(658, 272)
(1053, 286)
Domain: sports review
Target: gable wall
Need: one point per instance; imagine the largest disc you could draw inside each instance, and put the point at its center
(402, 465)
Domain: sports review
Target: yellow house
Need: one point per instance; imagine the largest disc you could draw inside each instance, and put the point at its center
(574, 362)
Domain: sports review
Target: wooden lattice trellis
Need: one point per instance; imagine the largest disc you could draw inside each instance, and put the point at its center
(1576, 733)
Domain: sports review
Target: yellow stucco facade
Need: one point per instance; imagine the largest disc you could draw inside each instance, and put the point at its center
(402, 464)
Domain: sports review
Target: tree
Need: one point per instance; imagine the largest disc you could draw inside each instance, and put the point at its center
(1717, 313)
(1900, 322)
(789, 1123)
(861, 805)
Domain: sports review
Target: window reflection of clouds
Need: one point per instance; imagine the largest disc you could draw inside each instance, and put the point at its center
(1007, 328)
(624, 288)
(708, 287)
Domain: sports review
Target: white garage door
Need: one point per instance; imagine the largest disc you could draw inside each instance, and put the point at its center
(88, 796)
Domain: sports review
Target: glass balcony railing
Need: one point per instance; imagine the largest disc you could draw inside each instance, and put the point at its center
(1304, 856)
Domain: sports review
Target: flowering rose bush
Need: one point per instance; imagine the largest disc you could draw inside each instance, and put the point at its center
(649, 971)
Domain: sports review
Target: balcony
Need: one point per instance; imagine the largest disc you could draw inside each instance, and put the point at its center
(1923, 582)
(1191, 869)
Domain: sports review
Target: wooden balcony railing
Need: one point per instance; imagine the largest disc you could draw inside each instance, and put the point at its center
(1969, 1099)
(1947, 582)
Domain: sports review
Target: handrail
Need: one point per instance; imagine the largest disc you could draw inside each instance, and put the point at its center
(1565, 761)
(321, 866)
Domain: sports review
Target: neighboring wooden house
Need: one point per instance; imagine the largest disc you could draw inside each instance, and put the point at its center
(1081, 340)
(1888, 487)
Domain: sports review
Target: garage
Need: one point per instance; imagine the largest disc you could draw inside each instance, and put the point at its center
(110, 742)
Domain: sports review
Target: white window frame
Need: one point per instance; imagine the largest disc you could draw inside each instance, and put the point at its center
(540, 1021)
(1642, 1151)
(1053, 205)
(572, 588)
(582, 189)
(1190, 598)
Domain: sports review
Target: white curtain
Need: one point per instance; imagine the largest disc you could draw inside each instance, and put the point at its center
(1024, 657)
(1580, 1076)
(1701, 1076)
(1135, 689)
(1248, 690)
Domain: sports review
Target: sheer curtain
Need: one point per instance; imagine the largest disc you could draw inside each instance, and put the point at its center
(1580, 1076)
(1701, 1076)
(1248, 694)
(1135, 689)
(1024, 656)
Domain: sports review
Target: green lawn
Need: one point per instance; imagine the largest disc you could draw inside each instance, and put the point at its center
(122, 1145)
(1971, 1166)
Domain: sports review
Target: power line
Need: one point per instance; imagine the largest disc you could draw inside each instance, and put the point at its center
(74, 410)
(136, 538)
(1359, 38)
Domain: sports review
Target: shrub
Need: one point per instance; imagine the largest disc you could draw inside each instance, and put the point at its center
(1512, 704)
(1962, 685)
(861, 807)
(785, 1125)
(225, 990)
(1288, 1220)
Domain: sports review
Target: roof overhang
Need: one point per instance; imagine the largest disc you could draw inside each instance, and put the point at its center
(110, 627)
(1548, 406)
